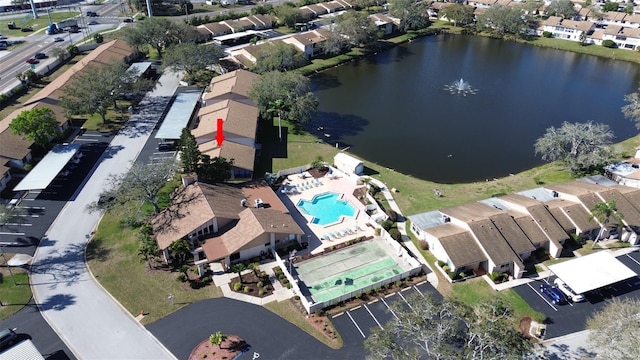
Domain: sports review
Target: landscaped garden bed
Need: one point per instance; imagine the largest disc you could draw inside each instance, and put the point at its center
(253, 284)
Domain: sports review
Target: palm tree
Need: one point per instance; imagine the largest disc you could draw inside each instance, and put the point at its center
(279, 107)
(602, 212)
(255, 267)
(217, 339)
(239, 268)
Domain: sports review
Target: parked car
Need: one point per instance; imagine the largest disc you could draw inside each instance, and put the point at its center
(93, 22)
(2, 37)
(7, 338)
(26, 29)
(568, 291)
(40, 55)
(32, 61)
(58, 39)
(127, 20)
(554, 295)
(167, 146)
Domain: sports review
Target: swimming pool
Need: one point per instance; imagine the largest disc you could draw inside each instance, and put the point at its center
(326, 208)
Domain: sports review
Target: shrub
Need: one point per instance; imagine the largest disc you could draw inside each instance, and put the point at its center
(373, 189)
(246, 289)
(206, 279)
(264, 275)
(195, 284)
(446, 268)
(358, 296)
(288, 286)
(393, 216)
(255, 259)
(260, 284)
(453, 275)
(386, 224)
(378, 289)
(462, 275)
(424, 245)
(260, 292)
(98, 38)
(282, 277)
(395, 234)
(236, 286)
(181, 277)
(495, 276)
(318, 312)
(546, 34)
(297, 297)
(203, 356)
(347, 243)
(441, 263)
(609, 44)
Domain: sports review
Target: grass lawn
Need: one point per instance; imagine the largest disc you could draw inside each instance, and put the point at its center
(287, 311)
(13, 297)
(475, 291)
(113, 260)
(40, 23)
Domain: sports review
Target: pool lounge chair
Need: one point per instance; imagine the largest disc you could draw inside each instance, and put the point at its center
(325, 237)
(335, 234)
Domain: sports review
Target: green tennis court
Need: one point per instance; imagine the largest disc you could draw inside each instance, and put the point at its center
(340, 272)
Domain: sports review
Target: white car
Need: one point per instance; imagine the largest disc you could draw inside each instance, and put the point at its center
(568, 291)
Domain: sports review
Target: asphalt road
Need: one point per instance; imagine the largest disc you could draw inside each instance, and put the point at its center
(31, 325)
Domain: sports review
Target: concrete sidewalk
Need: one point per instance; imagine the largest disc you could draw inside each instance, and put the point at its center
(431, 277)
(91, 322)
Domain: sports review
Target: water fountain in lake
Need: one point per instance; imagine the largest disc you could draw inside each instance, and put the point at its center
(460, 87)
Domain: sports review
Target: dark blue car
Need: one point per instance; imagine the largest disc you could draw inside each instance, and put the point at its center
(554, 294)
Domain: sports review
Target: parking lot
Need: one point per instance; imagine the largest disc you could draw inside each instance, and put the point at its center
(356, 324)
(572, 317)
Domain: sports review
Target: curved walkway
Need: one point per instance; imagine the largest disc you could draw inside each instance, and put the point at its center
(91, 322)
(431, 277)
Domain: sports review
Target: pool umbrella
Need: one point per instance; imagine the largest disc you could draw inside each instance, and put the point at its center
(348, 281)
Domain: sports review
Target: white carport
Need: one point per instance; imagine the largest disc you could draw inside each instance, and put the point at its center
(48, 168)
(592, 272)
(23, 351)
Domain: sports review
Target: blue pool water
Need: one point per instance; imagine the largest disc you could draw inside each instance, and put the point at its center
(326, 208)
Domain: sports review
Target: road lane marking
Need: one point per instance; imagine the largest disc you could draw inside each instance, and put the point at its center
(374, 318)
(418, 290)
(405, 300)
(354, 323)
(391, 311)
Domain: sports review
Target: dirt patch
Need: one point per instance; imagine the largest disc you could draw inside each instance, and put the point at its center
(253, 285)
(361, 194)
(229, 349)
(525, 326)
(318, 173)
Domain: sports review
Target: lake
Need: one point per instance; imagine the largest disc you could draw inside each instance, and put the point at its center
(392, 108)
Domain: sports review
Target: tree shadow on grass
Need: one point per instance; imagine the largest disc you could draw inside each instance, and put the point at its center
(96, 250)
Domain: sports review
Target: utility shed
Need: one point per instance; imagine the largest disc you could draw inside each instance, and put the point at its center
(348, 164)
(592, 272)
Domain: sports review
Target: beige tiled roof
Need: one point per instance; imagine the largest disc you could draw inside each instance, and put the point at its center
(471, 212)
(622, 31)
(576, 188)
(216, 29)
(458, 243)
(632, 194)
(528, 225)
(556, 208)
(239, 119)
(518, 199)
(493, 243)
(244, 156)
(624, 207)
(515, 237)
(548, 223)
(581, 217)
(238, 82)
(13, 146)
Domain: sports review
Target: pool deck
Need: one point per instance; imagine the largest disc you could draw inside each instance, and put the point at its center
(319, 236)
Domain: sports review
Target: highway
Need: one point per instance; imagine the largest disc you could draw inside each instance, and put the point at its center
(13, 62)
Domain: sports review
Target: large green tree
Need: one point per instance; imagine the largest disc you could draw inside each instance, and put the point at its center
(278, 56)
(216, 169)
(189, 153)
(459, 14)
(448, 330)
(357, 27)
(562, 8)
(292, 88)
(288, 15)
(631, 111)
(142, 183)
(96, 90)
(615, 330)
(500, 20)
(192, 58)
(603, 212)
(583, 147)
(159, 33)
(413, 15)
(37, 125)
